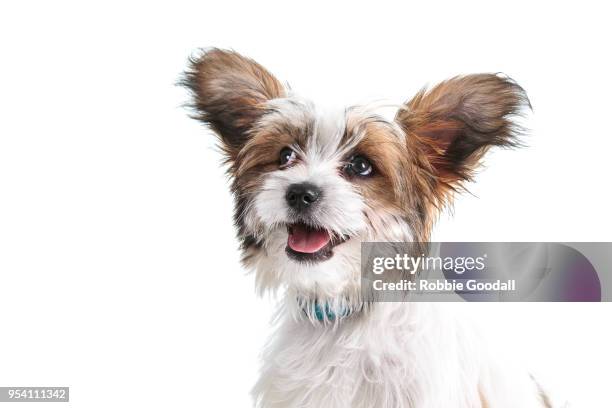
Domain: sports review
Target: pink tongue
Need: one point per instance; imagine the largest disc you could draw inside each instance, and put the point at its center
(307, 240)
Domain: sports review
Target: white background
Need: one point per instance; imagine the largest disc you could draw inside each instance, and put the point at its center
(119, 273)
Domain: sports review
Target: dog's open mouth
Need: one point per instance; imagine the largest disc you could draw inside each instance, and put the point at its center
(306, 243)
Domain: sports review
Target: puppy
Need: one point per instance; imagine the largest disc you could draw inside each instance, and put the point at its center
(309, 187)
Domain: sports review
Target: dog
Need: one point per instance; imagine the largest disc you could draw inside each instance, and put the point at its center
(310, 186)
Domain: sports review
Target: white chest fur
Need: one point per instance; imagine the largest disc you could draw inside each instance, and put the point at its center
(414, 355)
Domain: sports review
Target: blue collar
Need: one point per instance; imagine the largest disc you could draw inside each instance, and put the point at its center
(324, 312)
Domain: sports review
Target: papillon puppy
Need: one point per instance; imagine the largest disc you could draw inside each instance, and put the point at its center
(310, 186)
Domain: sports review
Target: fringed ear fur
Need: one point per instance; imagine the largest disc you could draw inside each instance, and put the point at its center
(454, 123)
(229, 94)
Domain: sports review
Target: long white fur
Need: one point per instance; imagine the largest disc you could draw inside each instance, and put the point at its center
(400, 355)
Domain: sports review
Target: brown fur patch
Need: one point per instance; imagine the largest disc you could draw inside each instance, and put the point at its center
(398, 185)
(483, 400)
(386, 153)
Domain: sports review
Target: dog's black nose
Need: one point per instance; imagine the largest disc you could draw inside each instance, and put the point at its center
(301, 196)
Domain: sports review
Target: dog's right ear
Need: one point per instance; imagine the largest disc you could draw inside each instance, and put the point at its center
(230, 94)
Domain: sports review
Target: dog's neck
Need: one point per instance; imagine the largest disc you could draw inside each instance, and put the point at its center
(330, 311)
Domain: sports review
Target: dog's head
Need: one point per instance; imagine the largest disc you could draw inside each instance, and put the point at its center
(310, 186)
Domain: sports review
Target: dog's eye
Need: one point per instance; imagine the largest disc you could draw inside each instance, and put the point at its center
(358, 165)
(287, 156)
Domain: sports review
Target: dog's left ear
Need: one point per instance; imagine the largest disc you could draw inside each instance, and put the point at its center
(230, 94)
(455, 122)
